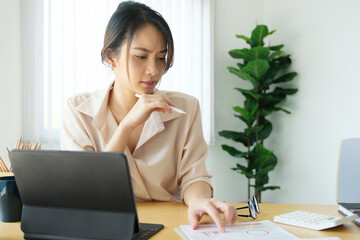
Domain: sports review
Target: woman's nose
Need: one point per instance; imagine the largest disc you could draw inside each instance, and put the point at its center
(152, 68)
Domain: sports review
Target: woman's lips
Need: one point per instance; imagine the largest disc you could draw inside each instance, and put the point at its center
(149, 84)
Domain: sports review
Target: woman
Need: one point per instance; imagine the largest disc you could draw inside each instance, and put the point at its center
(165, 149)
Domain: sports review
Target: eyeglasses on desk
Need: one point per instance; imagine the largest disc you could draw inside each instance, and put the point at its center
(253, 207)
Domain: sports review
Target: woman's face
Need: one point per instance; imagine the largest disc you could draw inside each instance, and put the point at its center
(146, 61)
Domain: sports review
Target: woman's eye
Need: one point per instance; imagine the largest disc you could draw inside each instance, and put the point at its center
(161, 58)
(140, 57)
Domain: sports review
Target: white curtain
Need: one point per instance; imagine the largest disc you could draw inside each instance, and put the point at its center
(62, 40)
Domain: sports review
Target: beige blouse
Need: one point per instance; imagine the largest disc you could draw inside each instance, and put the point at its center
(171, 151)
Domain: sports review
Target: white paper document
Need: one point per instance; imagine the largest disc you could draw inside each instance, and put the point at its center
(245, 231)
(324, 238)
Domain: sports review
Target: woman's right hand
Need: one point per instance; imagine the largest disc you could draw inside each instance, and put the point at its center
(143, 108)
(139, 113)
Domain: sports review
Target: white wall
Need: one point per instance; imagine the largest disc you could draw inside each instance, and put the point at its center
(323, 38)
(10, 75)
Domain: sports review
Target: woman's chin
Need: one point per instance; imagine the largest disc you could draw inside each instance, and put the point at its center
(147, 90)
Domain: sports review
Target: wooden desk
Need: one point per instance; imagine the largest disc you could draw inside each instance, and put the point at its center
(174, 214)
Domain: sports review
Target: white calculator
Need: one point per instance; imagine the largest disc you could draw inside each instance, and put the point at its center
(312, 220)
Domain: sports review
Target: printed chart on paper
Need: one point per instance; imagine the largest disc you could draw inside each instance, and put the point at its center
(244, 231)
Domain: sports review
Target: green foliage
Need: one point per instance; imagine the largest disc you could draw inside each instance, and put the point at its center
(264, 68)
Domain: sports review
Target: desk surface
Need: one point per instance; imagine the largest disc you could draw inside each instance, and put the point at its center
(174, 214)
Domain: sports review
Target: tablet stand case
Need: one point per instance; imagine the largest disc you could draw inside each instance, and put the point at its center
(79, 224)
(78, 196)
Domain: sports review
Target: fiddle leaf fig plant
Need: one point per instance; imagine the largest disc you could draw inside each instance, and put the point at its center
(265, 68)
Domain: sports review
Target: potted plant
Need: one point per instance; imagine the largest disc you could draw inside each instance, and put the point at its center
(265, 68)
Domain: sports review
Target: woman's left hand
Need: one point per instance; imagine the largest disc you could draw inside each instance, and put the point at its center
(199, 207)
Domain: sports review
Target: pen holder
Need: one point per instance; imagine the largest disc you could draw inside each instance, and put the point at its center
(10, 202)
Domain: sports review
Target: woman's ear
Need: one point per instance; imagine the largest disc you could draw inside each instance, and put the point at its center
(110, 62)
(109, 58)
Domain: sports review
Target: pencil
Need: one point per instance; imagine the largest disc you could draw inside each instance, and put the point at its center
(3, 166)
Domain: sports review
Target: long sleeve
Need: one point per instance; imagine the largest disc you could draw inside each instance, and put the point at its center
(192, 167)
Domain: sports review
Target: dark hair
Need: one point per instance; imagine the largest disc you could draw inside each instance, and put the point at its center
(129, 17)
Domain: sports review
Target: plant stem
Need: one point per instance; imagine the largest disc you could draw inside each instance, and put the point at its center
(257, 117)
(258, 196)
(248, 145)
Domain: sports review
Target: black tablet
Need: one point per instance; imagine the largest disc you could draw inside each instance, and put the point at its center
(77, 195)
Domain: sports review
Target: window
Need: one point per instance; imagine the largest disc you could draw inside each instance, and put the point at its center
(62, 41)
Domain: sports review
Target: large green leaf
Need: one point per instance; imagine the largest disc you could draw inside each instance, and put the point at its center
(248, 93)
(257, 68)
(282, 109)
(236, 53)
(269, 77)
(275, 54)
(270, 33)
(264, 160)
(286, 77)
(271, 188)
(259, 132)
(258, 35)
(241, 53)
(282, 92)
(260, 52)
(277, 47)
(269, 101)
(250, 54)
(269, 110)
(243, 112)
(248, 40)
(261, 180)
(283, 61)
(251, 106)
(252, 131)
(244, 170)
(240, 167)
(243, 75)
(233, 151)
(240, 65)
(232, 135)
(243, 119)
(255, 53)
(248, 174)
(235, 136)
(253, 109)
(271, 163)
(266, 130)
